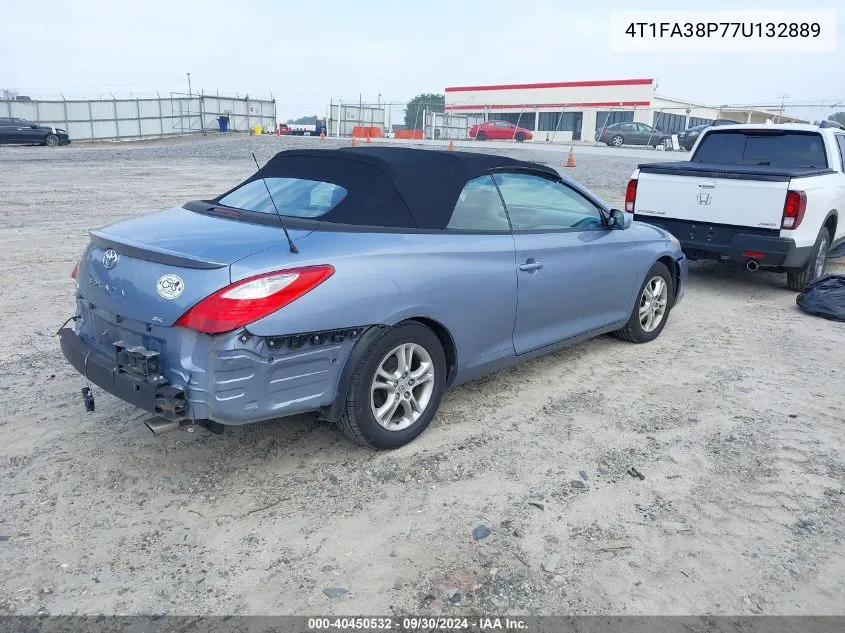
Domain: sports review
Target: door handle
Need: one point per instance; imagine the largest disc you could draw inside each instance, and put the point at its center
(707, 185)
(531, 265)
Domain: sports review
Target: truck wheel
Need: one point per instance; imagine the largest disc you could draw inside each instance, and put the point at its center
(815, 264)
(654, 301)
(396, 387)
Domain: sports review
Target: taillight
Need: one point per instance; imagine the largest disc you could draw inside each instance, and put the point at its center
(602, 131)
(252, 299)
(630, 195)
(75, 271)
(793, 209)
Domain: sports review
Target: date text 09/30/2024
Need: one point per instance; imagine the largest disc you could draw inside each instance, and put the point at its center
(410, 624)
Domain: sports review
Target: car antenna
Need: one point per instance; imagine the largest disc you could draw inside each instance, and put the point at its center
(293, 248)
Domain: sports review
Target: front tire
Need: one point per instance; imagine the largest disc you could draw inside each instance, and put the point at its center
(396, 387)
(520, 137)
(815, 264)
(651, 311)
(51, 140)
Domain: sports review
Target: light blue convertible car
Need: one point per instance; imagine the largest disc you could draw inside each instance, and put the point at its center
(359, 283)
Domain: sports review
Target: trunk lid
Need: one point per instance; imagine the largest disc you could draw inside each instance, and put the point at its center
(710, 199)
(166, 262)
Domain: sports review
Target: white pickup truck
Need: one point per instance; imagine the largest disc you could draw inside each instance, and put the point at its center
(770, 196)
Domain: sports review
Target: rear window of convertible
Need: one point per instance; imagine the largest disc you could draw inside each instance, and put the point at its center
(294, 197)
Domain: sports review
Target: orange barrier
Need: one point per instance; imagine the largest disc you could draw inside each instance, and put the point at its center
(360, 131)
(409, 134)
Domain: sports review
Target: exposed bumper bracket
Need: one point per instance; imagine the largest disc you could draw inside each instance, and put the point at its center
(150, 394)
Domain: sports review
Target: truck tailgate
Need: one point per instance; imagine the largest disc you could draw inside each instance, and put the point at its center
(711, 200)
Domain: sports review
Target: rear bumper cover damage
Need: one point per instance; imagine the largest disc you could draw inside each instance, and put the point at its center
(151, 394)
(233, 378)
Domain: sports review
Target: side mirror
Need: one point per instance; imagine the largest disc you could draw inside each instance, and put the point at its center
(33, 126)
(618, 219)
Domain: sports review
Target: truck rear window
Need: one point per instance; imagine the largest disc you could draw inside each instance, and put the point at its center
(775, 148)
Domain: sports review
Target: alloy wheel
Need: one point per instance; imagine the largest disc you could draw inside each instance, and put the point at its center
(653, 303)
(402, 386)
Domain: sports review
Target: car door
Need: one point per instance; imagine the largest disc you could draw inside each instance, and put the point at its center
(574, 275)
(638, 135)
(476, 255)
(24, 132)
(503, 130)
(5, 130)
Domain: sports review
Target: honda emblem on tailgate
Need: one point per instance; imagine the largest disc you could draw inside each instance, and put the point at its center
(704, 198)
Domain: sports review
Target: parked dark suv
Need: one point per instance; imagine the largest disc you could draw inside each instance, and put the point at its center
(631, 133)
(688, 137)
(23, 132)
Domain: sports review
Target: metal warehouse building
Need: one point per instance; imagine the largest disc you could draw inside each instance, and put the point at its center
(574, 110)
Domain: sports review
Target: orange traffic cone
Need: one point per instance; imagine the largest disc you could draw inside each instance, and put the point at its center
(451, 145)
(570, 162)
(354, 142)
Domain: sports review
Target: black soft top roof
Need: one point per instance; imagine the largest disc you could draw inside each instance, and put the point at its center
(392, 186)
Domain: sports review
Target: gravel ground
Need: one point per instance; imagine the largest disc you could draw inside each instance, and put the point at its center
(516, 500)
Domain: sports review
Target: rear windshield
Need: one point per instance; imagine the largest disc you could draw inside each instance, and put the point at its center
(294, 197)
(778, 149)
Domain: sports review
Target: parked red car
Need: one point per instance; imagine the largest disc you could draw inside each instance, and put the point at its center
(499, 130)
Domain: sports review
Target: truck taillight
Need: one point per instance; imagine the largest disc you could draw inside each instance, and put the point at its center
(252, 299)
(630, 195)
(793, 209)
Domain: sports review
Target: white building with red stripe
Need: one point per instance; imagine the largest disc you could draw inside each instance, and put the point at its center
(574, 110)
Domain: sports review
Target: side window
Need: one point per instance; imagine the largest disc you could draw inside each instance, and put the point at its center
(479, 208)
(628, 127)
(840, 139)
(539, 204)
(644, 128)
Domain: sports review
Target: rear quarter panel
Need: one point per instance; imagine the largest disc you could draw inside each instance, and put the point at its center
(465, 282)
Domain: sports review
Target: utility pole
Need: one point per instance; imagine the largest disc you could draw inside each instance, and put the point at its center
(783, 97)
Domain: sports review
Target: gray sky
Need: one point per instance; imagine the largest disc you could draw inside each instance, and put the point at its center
(307, 52)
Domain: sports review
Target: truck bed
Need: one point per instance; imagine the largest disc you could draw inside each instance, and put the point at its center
(735, 172)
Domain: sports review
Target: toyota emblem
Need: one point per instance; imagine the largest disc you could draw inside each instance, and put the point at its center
(110, 258)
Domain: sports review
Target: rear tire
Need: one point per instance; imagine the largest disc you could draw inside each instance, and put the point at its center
(816, 264)
(617, 141)
(481, 136)
(654, 302)
(417, 389)
(51, 140)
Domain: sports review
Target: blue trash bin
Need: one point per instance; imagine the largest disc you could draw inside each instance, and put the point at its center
(223, 123)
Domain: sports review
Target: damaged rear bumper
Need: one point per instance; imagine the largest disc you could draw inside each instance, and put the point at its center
(150, 393)
(232, 378)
